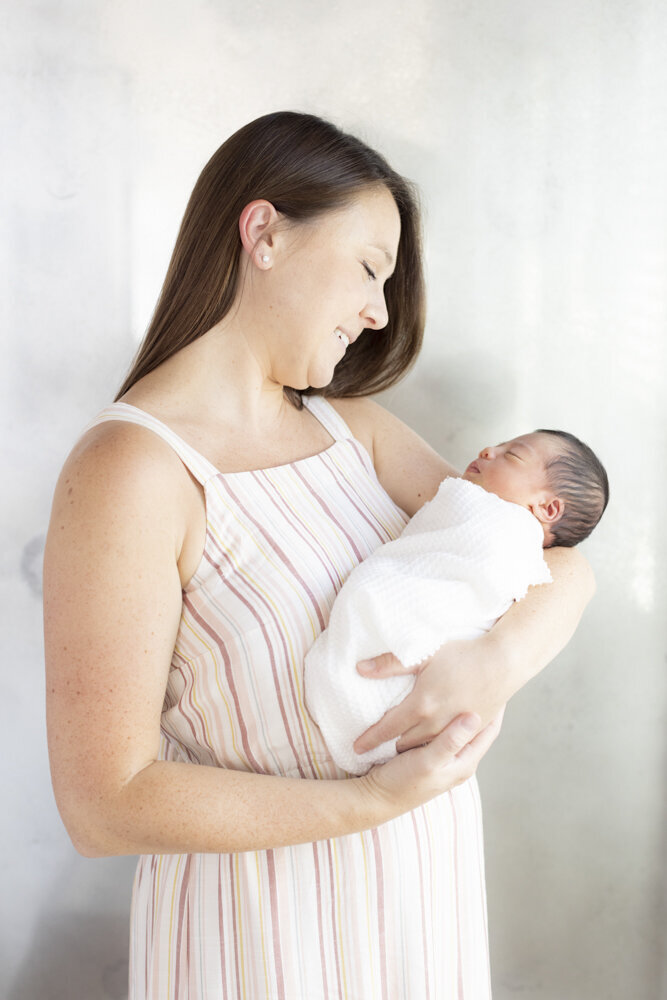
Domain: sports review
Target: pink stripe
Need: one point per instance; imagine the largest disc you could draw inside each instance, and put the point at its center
(221, 926)
(189, 677)
(208, 630)
(280, 553)
(350, 496)
(379, 877)
(477, 813)
(275, 924)
(364, 458)
(235, 930)
(182, 919)
(303, 531)
(320, 926)
(334, 932)
(330, 514)
(150, 912)
(254, 610)
(413, 817)
(455, 841)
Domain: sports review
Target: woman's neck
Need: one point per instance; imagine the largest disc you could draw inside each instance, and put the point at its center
(216, 380)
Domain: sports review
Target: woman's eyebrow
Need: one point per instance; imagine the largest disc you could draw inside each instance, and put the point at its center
(383, 250)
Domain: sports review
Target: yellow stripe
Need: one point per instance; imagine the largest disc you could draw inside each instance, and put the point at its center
(339, 896)
(260, 910)
(240, 928)
(391, 528)
(297, 673)
(295, 662)
(185, 622)
(362, 837)
(171, 923)
(340, 570)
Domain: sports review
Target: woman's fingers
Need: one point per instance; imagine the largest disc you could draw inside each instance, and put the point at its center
(396, 719)
(413, 778)
(416, 736)
(385, 665)
(461, 746)
(457, 736)
(457, 679)
(471, 754)
(389, 727)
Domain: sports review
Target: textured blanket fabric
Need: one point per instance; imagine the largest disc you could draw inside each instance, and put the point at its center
(458, 565)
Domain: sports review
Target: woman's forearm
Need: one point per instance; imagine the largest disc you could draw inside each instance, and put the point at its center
(481, 675)
(171, 807)
(534, 630)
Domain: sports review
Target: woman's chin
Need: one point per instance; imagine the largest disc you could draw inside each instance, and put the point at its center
(320, 379)
(316, 377)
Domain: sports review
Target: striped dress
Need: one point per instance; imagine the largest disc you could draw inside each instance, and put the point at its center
(394, 913)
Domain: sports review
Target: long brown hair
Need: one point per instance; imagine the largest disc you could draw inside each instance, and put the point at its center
(304, 166)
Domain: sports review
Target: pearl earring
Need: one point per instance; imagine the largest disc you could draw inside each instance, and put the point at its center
(265, 258)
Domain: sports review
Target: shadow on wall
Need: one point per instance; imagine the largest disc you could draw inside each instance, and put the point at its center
(31, 564)
(78, 948)
(453, 403)
(75, 956)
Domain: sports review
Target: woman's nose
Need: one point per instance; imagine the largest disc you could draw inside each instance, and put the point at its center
(375, 313)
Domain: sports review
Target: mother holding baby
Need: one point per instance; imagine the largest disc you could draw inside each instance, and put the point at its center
(201, 529)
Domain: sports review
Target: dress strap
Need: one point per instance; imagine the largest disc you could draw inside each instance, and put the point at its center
(200, 467)
(323, 411)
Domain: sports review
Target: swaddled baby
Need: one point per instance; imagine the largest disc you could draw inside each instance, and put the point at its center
(457, 567)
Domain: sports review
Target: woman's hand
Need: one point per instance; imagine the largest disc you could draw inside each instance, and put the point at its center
(481, 675)
(418, 775)
(463, 676)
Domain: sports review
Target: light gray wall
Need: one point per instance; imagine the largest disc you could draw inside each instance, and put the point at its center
(537, 132)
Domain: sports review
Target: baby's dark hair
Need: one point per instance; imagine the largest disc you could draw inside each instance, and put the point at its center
(579, 478)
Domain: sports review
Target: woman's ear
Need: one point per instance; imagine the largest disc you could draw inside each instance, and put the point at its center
(256, 223)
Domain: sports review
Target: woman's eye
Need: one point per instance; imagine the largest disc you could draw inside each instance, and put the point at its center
(369, 270)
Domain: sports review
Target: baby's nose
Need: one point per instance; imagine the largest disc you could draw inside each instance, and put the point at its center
(487, 453)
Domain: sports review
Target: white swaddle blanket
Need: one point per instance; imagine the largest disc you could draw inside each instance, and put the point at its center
(455, 569)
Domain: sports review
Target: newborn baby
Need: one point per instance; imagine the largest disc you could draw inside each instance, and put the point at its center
(457, 567)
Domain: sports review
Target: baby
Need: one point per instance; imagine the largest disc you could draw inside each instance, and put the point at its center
(456, 568)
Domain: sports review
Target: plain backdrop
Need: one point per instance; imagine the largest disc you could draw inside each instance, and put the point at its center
(536, 130)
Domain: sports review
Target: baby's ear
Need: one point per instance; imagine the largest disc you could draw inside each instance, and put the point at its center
(549, 511)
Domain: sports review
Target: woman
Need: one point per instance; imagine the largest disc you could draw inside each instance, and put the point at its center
(200, 531)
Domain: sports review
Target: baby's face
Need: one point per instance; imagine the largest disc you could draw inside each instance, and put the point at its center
(516, 470)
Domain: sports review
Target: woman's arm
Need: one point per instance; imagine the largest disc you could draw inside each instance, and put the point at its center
(482, 674)
(112, 607)
(408, 468)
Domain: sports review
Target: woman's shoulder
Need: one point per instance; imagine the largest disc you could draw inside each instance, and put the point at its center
(115, 468)
(120, 448)
(408, 468)
(361, 415)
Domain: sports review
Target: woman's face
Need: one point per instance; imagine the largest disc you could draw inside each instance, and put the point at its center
(326, 287)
